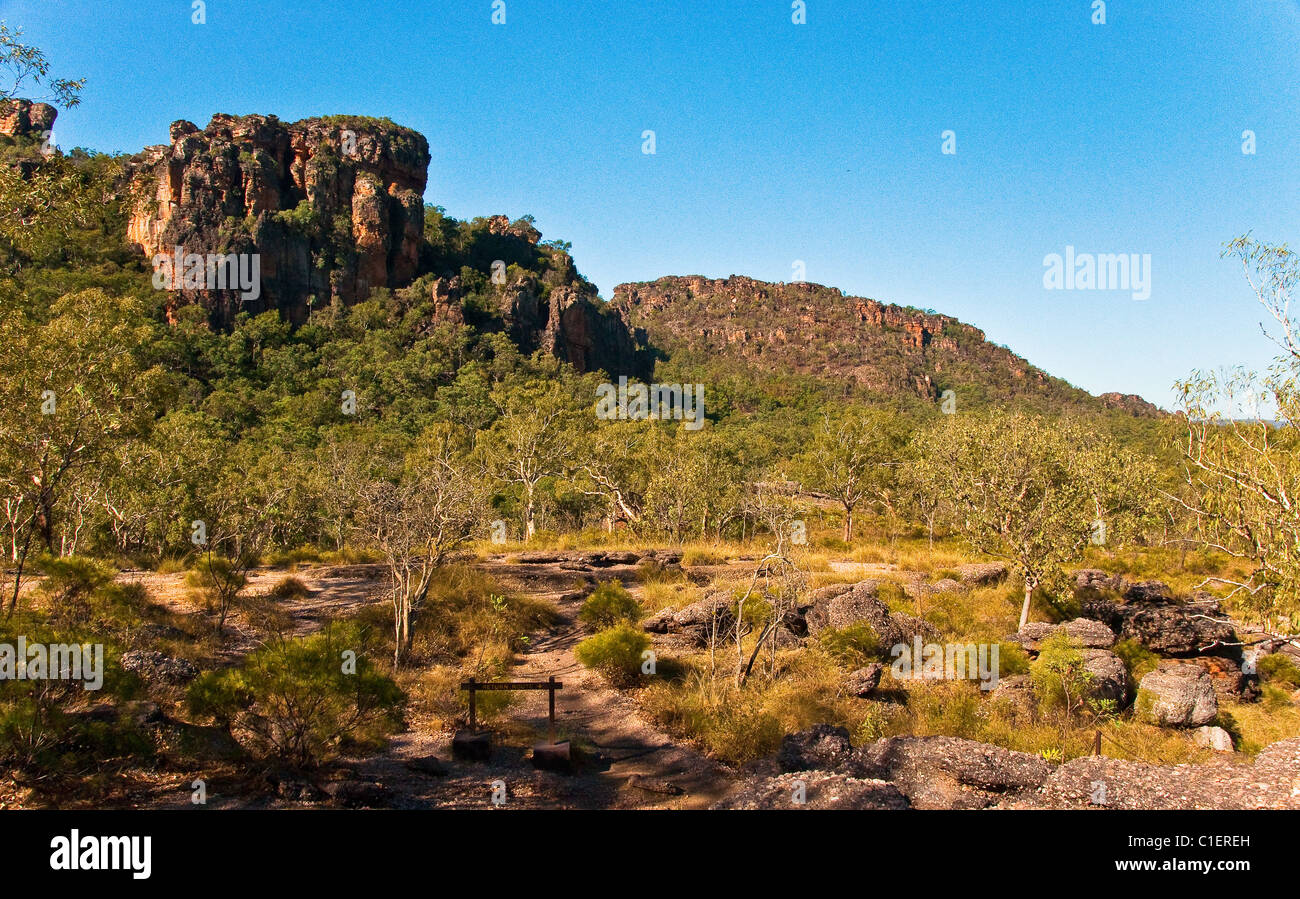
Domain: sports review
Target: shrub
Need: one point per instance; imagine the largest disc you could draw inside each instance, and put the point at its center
(615, 653)
(1012, 659)
(1137, 659)
(39, 731)
(1060, 679)
(1280, 670)
(608, 605)
(70, 581)
(297, 700)
(852, 646)
(695, 555)
(289, 588)
(217, 581)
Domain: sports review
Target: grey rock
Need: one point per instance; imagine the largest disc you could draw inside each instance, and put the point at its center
(158, 668)
(1179, 696)
(1215, 738)
(823, 747)
(863, 682)
(818, 790)
(1109, 675)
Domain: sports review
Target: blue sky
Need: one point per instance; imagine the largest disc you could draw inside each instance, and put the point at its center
(778, 142)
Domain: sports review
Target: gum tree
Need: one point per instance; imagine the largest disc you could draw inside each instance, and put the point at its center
(416, 512)
(1029, 490)
(1241, 452)
(852, 458)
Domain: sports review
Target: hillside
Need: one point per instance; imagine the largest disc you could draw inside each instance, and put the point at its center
(868, 347)
(329, 210)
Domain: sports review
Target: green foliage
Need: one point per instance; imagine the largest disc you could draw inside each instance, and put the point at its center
(43, 728)
(1137, 659)
(609, 605)
(1012, 660)
(1279, 670)
(289, 588)
(1058, 674)
(852, 646)
(297, 701)
(616, 653)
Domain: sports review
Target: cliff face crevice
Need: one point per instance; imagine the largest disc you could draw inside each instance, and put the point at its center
(333, 207)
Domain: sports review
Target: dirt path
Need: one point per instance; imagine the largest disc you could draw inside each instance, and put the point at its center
(625, 762)
(608, 722)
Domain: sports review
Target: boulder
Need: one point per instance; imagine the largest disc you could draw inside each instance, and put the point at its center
(861, 604)
(1090, 633)
(699, 621)
(1109, 675)
(1086, 632)
(1096, 579)
(813, 790)
(1230, 683)
(1177, 696)
(823, 747)
(1215, 738)
(1032, 635)
(1148, 591)
(948, 772)
(863, 682)
(155, 667)
(429, 765)
(982, 574)
(1018, 691)
(1171, 628)
(358, 794)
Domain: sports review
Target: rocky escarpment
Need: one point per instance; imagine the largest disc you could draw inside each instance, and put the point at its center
(557, 311)
(24, 119)
(861, 343)
(333, 208)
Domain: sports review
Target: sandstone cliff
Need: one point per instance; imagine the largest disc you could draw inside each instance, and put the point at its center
(873, 348)
(333, 207)
(25, 119)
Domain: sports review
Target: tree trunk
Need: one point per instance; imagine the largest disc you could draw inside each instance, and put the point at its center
(1024, 610)
(848, 524)
(530, 524)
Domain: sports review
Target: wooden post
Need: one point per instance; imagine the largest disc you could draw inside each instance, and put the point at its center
(473, 724)
(551, 693)
(1096, 746)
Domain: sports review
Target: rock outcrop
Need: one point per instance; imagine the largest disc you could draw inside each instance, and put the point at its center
(1177, 696)
(952, 773)
(332, 207)
(859, 343)
(24, 119)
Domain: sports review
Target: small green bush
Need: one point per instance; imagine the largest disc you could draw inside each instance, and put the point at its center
(1279, 670)
(852, 646)
(609, 605)
(296, 701)
(1137, 659)
(1012, 659)
(289, 588)
(616, 653)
